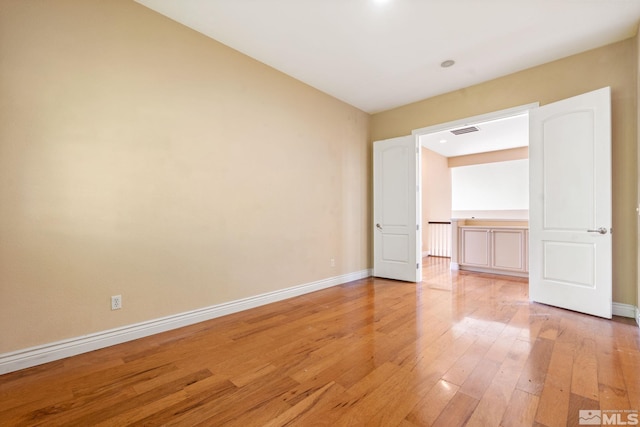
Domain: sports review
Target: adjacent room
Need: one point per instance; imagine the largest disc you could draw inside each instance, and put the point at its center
(477, 175)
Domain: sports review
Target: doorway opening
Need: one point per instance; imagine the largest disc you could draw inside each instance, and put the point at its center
(474, 169)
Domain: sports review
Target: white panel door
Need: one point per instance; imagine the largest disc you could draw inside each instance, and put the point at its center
(396, 209)
(570, 204)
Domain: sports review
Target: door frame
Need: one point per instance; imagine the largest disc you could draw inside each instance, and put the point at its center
(473, 120)
(469, 121)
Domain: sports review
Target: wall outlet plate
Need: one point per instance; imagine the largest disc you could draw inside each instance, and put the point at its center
(116, 302)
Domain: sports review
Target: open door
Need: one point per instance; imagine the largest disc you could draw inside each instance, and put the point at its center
(396, 209)
(570, 204)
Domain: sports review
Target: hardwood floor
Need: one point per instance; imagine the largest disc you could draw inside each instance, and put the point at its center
(457, 349)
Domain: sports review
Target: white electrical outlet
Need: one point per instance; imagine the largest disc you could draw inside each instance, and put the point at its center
(116, 302)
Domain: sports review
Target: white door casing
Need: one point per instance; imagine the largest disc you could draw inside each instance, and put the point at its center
(396, 209)
(570, 264)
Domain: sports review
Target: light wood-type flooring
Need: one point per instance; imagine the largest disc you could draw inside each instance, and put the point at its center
(457, 349)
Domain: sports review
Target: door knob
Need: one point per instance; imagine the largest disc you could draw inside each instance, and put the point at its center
(378, 227)
(601, 230)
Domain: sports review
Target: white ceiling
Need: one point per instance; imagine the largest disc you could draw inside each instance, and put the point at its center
(376, 55)
(492, 135)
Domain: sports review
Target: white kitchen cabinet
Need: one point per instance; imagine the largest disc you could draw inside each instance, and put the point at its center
(474, 247)
(508, 249)
(501, 250)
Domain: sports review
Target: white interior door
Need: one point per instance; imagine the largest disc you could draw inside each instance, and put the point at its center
(396, 209)
(570, 204)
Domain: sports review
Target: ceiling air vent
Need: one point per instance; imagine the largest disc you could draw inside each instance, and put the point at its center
(465, 130)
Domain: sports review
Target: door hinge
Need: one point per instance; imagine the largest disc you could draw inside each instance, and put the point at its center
(418, 227)
(417, 265)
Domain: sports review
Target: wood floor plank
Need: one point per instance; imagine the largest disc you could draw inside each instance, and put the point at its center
(318, 410)
(465, 365)
(433, 366)
(404, 397)
(253, 374)
(340, 407)
(584, 379)
(296, 412)
(188, 409)
(105, 412)
(614, 398)
(535, 370)
(579, 403)
(630, 363)
(134, 415)
(521, 410)
(553, 406)
(113, 386)
(612, 386)
(348, 374)
(459, 348)
(428, 350)
(500, 348)
(429, 408)
(386, 404)
(457, 412)
(477, 383)
(495, 400)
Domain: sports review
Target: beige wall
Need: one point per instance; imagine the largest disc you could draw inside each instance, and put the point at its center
(489, 157)
(140, 158)
(436, 191)
(613, 65)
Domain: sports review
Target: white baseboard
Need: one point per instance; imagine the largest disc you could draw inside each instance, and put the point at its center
(492, 271)
(454, 266)
(638, 316)
(624, 310)
(38, 355)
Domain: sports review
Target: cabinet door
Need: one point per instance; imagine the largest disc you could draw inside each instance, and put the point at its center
(507, 249)
(474, 247)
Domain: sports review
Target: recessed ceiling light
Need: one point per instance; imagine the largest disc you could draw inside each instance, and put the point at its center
(442, 141)
(448, 63)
